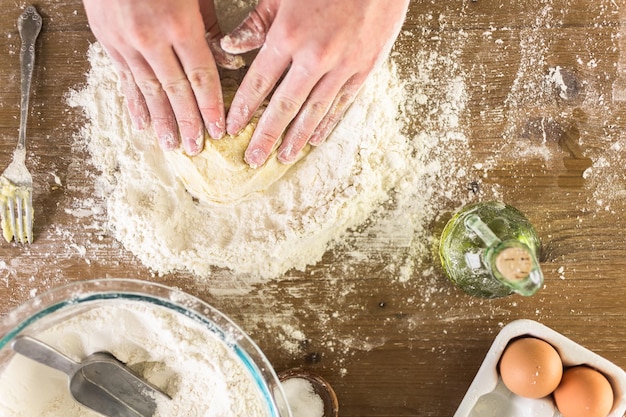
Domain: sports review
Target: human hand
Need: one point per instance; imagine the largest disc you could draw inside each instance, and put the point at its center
(162, 52)
(325, 49)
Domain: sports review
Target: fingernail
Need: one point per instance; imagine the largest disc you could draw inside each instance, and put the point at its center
(216, 130)
(194, 145)
(232, 128)
(226, 43)
(319, 135)
(315, 140)
(256, 158)
(286, 156)
(236, 119)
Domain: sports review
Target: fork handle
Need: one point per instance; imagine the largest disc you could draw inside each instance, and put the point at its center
(29, 26)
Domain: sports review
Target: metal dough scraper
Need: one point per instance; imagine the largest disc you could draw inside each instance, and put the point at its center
(99, 382)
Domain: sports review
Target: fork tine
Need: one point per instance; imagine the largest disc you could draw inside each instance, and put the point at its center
(7, 206)
(12, 222)
(28, 209)
(24, 205)
(19, 232)
(7, 232)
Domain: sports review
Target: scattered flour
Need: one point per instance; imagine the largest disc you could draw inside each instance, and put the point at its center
(196, 368)
(431, 110)
(443, 98)
(380, 170)
(406, 163)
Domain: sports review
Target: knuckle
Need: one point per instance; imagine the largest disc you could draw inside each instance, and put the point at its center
(335, 116)
(164, 122)
(265, 140)
(211, 108)
(179, 31)
(260, 85)
(177, 88)
(316, 55)
(125, 75)
(343, 101)
(142, 35)
(187, 123)
(287, 105)
(150, 87)
(200, 78)
(317, 108)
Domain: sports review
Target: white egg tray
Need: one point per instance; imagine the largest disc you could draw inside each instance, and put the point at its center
(487, 396)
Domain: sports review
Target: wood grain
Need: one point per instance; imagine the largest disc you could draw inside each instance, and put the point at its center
(389, 346)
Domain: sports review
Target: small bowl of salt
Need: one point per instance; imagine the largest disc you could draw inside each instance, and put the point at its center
(308, 394)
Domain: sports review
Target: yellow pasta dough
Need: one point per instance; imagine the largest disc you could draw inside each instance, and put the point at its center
(219, 174)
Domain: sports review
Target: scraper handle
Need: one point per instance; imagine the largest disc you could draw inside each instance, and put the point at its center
(46, 355)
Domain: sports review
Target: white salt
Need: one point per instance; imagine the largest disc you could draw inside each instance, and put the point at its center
(302, 398)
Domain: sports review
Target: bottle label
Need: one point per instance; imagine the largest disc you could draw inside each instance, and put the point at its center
(514, 263)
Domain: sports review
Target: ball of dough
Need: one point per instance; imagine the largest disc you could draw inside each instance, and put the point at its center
(219, 174)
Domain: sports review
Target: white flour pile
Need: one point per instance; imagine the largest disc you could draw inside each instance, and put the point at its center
(334, 188)
(372, 173)
(200, 372)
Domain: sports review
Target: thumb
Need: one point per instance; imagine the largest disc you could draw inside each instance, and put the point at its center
(213, 35)
(222, 58)
(251, 33)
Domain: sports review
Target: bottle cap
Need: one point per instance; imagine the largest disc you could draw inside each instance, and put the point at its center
(514, 263)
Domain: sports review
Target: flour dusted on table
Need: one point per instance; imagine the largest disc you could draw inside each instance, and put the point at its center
(289, 226)
(199, 371)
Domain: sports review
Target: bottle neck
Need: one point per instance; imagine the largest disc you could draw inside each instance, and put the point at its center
(511, 262)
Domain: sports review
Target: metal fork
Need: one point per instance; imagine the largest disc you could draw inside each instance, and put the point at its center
(16, 183)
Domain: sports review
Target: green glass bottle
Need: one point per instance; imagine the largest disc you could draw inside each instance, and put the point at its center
(491, 250)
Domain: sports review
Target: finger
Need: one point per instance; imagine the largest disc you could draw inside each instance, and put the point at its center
(213, 37)
(265, 71)
(223, 58)
(250, 34)
(342, 102)
(161, 115)
(313, 111)
(206, 90)
(135, 102)
(283, 107)
(171, 101)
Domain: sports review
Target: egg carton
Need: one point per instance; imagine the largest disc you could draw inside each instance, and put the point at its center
(487, 396)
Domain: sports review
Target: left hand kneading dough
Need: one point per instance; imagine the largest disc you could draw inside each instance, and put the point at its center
(219, 174)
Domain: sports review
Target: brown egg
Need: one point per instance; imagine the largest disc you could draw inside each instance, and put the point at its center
(531, 367)
(584, 392)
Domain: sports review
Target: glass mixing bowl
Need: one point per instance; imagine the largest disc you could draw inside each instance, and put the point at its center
(47, 316)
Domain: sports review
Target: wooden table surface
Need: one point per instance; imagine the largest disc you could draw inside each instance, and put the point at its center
(390, 346)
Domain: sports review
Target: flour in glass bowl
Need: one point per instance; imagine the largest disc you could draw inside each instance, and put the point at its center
(290, 226)
(196, 368)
